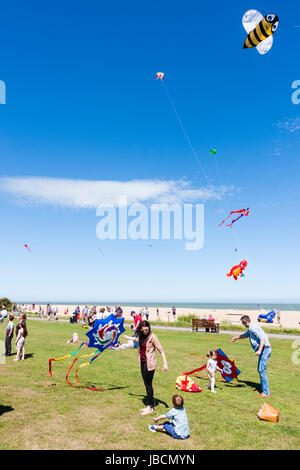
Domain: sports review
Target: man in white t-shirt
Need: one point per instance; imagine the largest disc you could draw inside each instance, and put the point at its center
(3, 313)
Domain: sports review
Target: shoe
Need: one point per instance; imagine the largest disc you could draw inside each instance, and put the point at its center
(16, 359)
(208, 387)
(213, 391)
(151, 428)
(263, 395)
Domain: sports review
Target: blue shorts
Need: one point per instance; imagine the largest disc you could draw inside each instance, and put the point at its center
(169, 428)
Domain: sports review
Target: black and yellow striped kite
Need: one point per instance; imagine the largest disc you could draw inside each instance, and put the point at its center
(260, 30)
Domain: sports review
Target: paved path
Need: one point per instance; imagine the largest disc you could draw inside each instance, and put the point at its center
(182, 328)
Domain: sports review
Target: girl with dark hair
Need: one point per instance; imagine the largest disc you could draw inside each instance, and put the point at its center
(20, 341)
(148, 343)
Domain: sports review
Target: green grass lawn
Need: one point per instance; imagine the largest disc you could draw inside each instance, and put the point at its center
(37, 412)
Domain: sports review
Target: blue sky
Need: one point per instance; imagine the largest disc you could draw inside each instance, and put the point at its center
(82, 104)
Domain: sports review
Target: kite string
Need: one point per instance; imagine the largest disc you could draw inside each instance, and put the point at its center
(221, 204)
(194, 151)
(184, 131)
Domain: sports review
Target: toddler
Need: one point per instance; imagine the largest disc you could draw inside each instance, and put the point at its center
(178, 428)
(211, 369)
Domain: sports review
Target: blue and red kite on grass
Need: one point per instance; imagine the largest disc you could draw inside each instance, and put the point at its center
(229, 369)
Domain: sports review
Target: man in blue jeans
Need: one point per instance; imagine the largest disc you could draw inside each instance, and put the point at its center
(261, 345)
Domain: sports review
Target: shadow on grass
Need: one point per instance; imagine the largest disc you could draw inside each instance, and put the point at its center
(5, 409)
(28, 356)
(156, 400)
(254, 385)
(98, 385)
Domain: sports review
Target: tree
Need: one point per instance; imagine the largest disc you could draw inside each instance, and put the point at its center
(4, 301)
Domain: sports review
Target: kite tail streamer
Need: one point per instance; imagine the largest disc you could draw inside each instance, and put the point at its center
(70, 371)
(64, 357)
(89, 388)
(95, 354)
(195, 370)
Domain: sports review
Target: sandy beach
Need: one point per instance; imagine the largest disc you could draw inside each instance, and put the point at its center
(288, 318)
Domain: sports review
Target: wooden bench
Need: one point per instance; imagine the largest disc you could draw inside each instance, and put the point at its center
(209, 325)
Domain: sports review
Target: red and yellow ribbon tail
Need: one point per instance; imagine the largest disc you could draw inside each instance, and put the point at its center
(195, 370)
(96, 354)
(64, 357)
(71, 366)
(89, 388)
(59, 359)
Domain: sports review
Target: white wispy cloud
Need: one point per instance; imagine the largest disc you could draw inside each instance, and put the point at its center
(290, 125)
(79, 194)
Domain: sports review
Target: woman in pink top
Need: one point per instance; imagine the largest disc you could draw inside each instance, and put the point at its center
(148, 343)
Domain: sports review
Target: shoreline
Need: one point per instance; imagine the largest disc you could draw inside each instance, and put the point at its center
(288, 318)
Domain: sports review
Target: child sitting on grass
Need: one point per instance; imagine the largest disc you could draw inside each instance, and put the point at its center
(211, 369)
(178, 428)
(74, 339)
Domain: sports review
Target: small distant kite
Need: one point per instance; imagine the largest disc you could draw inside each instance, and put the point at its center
(260, 30)
(99, 249)
(160, 76)
(26, 246)
(237, 270)
(242, 212)
(213, 151)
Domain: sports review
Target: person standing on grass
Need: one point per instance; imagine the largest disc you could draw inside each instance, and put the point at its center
(148, 343)
(3, 313)
(260, 343)
(9, 335)
(211, 369)
(137, 322)
(22, 317)
(118, 312)
(20, 341)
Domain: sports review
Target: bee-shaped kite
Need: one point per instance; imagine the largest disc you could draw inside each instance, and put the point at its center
(260, 30)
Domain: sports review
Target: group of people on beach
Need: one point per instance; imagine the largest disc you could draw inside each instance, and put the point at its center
(82, 314)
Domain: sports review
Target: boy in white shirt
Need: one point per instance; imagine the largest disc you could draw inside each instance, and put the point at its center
(9, 335)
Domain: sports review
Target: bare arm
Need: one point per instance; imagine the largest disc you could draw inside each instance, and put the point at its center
(261, 345)
(131, 337)
(242, 336)
(159, 418)
(165, 366)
